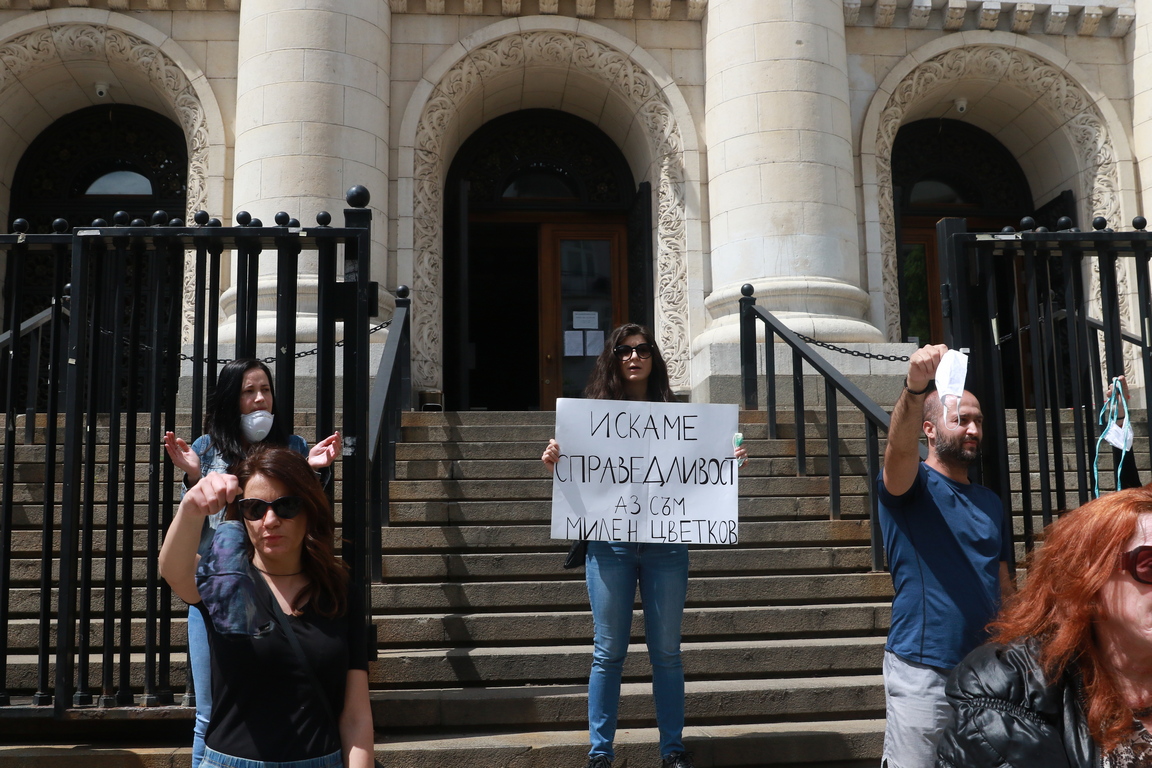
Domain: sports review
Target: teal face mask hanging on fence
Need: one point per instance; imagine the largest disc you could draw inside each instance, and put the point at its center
(1119, 436)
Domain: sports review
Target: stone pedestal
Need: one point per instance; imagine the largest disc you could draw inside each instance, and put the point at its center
(311, 121)
(781, 184)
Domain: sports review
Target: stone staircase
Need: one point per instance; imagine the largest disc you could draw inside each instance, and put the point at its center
(485, 641)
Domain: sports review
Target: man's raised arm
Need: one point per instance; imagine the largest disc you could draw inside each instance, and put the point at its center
(902, 454)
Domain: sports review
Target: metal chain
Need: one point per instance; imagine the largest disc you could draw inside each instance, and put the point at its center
(853, 352)
(266, 360)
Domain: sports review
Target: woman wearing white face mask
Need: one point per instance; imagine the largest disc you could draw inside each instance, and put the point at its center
(240, 414)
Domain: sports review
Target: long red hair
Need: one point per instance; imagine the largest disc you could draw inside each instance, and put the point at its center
(1059, 604)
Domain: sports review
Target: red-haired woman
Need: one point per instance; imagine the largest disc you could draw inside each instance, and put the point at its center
(1066, 680)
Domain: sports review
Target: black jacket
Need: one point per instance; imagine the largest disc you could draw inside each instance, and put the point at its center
(1007, 715)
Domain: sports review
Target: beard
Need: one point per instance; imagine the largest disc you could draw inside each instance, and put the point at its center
(950, 449)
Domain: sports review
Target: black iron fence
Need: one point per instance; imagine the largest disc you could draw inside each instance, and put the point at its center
(1050, 318)
(111, 379)
(836, 385)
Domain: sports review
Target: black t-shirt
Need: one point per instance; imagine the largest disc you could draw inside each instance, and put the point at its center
(264, 706)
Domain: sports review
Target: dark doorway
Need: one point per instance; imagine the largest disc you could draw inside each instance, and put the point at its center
(88, 165)
(539, 264)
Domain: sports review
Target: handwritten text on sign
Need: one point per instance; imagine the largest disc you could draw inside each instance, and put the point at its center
(645, 472)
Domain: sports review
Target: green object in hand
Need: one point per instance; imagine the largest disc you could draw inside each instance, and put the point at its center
(737, 441)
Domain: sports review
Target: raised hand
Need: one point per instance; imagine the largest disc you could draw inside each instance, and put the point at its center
(325, 452)
(182, 456)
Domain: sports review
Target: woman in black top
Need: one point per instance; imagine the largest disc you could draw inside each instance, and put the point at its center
(279, 529)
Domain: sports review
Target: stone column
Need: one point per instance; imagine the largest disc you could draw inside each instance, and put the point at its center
(781, 186)
(1142, 103)
(311, 121)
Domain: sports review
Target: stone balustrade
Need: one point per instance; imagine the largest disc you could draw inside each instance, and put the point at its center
(1110, 19)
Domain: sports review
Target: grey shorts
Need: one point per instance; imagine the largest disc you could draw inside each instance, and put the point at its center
(917, 712)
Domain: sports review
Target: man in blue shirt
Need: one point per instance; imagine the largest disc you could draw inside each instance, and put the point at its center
(946, 553)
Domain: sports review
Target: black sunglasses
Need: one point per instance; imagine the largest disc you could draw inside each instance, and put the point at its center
(285, 507)
(644, 351)
(1138, 562)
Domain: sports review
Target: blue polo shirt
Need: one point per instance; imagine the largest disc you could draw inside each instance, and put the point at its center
(944, 547)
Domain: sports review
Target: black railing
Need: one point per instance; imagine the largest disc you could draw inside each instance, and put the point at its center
(835, 385)
(1043, 346)
(391, 394)
(122, 378)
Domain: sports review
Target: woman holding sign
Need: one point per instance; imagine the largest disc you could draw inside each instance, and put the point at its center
(631, 368)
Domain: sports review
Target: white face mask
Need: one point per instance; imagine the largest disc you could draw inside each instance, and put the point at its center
(950, 376)
(255, 426)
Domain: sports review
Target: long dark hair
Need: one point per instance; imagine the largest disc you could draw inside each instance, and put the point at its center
(606, 381)
(222, 418)
(327, 587)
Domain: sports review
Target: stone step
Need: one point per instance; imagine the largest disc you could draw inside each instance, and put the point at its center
(497, 596)
(448, 538)
(540, 511)
(532, 565)
(404, 668)
(518, 628)
(476, 490)
(700, 623)
(719, 702)
(813, 744)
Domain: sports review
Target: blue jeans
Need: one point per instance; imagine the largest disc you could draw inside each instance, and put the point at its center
(613, 570)
(214, 759)
(200, 661)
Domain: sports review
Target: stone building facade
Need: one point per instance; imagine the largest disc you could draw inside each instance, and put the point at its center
(655, 155)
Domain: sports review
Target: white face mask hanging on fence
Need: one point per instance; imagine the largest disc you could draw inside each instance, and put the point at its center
(1119, 436)
(950, 376)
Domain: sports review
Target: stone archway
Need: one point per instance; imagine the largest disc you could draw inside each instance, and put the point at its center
(655, 107)
(1082, 124)
(125, 45)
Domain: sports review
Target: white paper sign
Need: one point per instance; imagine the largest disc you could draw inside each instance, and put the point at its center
(645, 472)
(586, 320)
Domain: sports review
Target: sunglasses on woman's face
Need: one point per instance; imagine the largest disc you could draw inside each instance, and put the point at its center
(1138, 562)
(285, 507)
(644, 351)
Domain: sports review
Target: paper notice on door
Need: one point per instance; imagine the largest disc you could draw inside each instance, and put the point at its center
(593, 343)
(573, 343)
(585, 320)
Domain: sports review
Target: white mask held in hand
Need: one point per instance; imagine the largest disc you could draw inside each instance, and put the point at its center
(255, 426)
(950, 376)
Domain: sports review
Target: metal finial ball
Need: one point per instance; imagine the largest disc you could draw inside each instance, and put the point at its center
(176, 222)
(1064, 222)
(282, 218)
(293, 222)
(402, 291)
(159, 217)
(1027, 223)
(20, 225)
(1074, 229)
(121, 218)
(139, 223)
(214, 222)
(1041, 229)
(59, 226)
(747, 289)
(1099, 222)
(358, 196)
(1007, 230)
(1139, 222)
(243, 217)
(99, 223)
(256, 223)
(201, 217)
(323, 218)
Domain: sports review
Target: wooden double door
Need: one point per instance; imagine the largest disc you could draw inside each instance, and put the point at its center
(539, 295)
